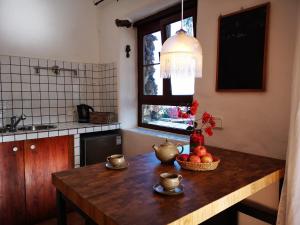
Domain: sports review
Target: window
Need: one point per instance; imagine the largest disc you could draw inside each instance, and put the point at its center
(159, 99)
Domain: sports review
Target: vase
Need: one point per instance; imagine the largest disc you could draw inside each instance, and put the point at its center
(196, 139)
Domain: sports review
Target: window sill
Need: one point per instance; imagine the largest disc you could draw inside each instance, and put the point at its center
(161, 134)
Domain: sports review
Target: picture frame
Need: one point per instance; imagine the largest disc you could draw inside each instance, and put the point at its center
(242, 50)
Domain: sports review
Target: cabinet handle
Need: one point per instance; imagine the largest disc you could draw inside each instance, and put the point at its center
(32, 147)
(15, 149)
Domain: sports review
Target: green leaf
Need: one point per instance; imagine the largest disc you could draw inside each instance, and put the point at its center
(190, 128)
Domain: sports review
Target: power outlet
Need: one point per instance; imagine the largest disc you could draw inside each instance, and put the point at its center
(218, 120)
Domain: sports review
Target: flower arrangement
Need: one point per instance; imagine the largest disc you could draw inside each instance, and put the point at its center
(207, 124)
(207, 120)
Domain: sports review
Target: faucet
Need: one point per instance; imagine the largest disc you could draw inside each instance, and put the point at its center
(14, 121)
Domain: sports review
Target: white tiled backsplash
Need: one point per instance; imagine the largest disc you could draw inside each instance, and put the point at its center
(45, 97)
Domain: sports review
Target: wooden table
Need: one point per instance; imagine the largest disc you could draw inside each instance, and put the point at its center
(126, 197)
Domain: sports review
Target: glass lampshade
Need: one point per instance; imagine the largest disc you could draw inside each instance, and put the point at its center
(181, 56)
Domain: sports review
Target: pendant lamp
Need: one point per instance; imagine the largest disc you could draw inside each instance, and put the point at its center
(181, 55)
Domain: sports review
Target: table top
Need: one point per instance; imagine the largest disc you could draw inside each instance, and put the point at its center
(126, 197)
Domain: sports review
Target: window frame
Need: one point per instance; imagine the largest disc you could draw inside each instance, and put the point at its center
(154, 23)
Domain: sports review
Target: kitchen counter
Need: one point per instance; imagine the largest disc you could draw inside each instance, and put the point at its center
(62, 129)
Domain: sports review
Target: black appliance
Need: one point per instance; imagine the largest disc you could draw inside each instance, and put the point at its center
(84, 113)
(96, 147)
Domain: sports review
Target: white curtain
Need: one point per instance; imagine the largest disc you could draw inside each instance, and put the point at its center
(289, 207)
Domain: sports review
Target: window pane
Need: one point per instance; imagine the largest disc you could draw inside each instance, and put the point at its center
(165, 116)
(152, 47)
(187, 26)
(183, 85)
(153, 83)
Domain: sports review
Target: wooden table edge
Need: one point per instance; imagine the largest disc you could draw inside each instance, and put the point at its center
(229, 200)
(75, 199)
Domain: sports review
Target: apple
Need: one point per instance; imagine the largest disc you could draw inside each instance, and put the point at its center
(208, 154)
(200, 151)
(194, 158)
(207, 158)
(183, 157)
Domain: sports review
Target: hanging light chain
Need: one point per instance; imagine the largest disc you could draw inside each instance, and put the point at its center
(181, 14)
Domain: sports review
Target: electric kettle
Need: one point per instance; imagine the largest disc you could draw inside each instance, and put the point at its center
(83, 111)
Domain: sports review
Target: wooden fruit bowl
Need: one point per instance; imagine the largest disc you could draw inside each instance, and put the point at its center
(199, 166)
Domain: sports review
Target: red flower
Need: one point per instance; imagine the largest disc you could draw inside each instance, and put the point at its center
(194, 107)
(179, 112)
(193, 110)
(206, 117)
(184, 115)
(195, 103)
(212, 122)
(208, 131)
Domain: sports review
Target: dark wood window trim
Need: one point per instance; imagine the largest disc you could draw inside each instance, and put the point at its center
(154, 23)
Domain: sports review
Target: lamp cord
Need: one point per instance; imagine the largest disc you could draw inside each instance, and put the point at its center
(181, 14)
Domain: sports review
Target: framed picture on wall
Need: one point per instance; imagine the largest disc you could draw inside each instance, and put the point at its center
(242, 50)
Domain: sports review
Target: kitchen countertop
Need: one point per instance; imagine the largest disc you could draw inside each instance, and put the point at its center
(71, 128)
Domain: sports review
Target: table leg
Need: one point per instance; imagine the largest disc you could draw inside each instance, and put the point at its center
(61, 209)
(226, 217)
(89, 222)
(280, 186)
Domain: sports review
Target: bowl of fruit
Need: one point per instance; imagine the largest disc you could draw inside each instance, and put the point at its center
(199, 160)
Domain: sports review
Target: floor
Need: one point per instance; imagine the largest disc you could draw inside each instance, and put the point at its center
(73, 219)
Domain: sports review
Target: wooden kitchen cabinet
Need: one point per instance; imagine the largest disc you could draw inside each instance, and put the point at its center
(12, 191)
(42, 158)
(26, 177)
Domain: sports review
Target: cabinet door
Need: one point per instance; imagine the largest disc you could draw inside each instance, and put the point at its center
(42, 158)
(12, 190)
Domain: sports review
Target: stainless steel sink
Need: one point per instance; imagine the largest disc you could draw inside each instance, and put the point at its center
(37, 127)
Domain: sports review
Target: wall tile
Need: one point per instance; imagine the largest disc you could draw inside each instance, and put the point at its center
(53, 133)
(32, 136)
(47, 97)
(4, 59)
(14, 60)
(7, 95)
(72, 132)
(15, 69)
(77, 161)
(63, 132)
(5, 78)
(43, 135)
(5, 69)
(34, 62)
(20, 137)
(24, 61)
(8, 138)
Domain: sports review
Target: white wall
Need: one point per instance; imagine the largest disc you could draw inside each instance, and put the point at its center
(253, 122)
(56, 29)
(140, 141)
